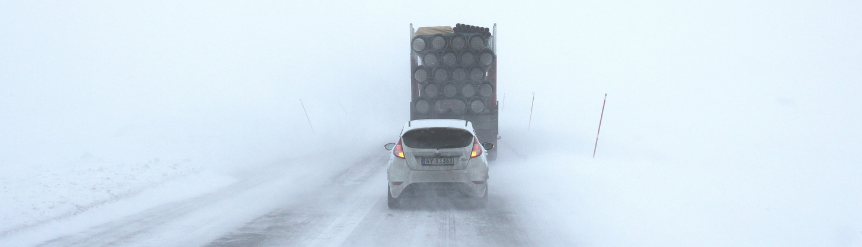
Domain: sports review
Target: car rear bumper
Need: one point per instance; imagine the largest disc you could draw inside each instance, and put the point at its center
(400, 176)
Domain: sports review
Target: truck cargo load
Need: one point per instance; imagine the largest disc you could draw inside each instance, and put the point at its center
(454, 76)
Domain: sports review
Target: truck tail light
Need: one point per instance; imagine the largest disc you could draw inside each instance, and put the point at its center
(398, 151)
(477, 148)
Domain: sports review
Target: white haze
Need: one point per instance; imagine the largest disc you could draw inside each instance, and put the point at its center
(741, 117)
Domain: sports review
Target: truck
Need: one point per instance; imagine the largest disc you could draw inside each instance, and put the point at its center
(454, 76)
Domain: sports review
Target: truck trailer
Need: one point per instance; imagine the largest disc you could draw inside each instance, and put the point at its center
(454, 76)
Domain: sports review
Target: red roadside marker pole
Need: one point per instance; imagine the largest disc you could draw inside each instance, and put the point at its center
(600, 125)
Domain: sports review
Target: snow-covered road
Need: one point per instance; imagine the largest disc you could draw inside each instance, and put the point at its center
(352, 211)
(538, 198)
(282, 204)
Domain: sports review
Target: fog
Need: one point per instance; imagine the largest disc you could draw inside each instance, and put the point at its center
(741, 118)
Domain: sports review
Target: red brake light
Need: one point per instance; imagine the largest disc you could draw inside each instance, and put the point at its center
(398, 151)
(477, 148)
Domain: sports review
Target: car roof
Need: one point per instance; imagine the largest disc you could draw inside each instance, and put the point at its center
(438, 123)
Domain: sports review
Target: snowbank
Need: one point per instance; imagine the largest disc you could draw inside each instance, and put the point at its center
(771, 201)
(31, 197)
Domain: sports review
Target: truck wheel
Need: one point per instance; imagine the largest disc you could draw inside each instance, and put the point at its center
(393, 202)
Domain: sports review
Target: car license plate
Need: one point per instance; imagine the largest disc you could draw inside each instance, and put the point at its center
(444, 161)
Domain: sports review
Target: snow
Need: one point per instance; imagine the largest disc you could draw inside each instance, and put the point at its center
(63, 191)
(162, 194)
(613, 202)
(730, 123)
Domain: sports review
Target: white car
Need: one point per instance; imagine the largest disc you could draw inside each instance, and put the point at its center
(438, 152)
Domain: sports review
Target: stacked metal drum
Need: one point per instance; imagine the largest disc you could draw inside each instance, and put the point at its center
(451, 72)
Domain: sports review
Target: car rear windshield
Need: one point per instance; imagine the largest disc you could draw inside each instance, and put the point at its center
(437, 138)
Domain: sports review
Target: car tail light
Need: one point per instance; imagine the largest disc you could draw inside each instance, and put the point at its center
(398, 151)
(477, 148)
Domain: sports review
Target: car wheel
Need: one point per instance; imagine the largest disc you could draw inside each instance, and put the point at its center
(482, 201)
(393, 202)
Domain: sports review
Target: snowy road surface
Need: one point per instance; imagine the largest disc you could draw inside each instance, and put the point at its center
(537, 199)
(340, 207)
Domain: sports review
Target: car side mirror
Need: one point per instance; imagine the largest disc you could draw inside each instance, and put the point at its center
(389, 146)
(488, 145)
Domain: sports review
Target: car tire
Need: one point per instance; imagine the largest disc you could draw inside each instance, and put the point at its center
(393, 202)
(482, 201)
